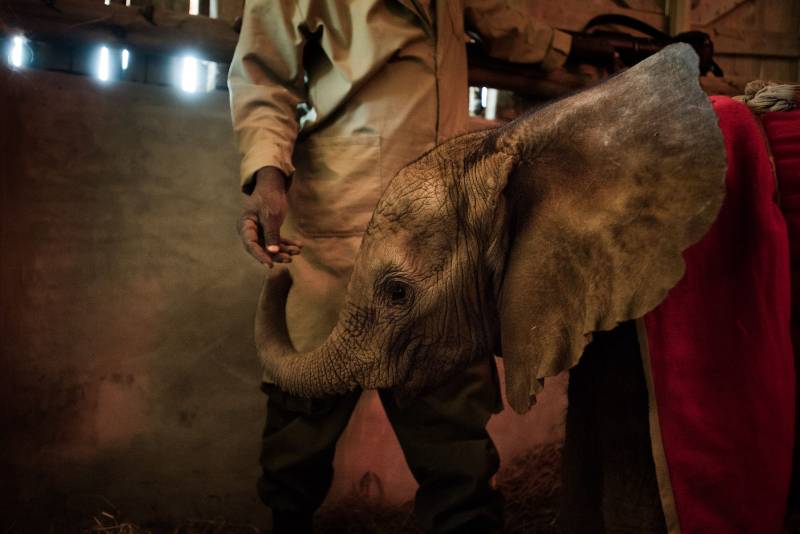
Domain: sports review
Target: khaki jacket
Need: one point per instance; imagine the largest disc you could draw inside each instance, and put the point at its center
(380, 83)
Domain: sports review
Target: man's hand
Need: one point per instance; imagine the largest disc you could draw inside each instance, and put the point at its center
(262, 217)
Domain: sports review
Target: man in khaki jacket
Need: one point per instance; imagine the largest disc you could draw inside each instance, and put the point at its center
(329, 100)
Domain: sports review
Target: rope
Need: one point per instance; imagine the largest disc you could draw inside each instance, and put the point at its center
(761, 96)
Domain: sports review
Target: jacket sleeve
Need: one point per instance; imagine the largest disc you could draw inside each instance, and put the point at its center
(266, 83)
(513, 35)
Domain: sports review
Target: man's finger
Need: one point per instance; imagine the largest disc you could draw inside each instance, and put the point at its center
(246, 222)
(292, 250)
(258, 253)
(293, 242)
(248, 229)
(272, 234)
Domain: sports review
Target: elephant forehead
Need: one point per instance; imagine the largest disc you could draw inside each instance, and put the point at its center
(417, 251)
(398, 240)
(418, 225)
(415, 231)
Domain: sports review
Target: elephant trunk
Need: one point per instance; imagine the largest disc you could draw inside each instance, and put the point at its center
(317, 373)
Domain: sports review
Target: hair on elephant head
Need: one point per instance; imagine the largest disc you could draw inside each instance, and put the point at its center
(521, 240)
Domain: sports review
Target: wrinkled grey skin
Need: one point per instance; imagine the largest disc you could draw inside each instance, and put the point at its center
(521, 241)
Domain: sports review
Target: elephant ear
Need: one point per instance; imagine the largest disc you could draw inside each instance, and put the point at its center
(605, 190)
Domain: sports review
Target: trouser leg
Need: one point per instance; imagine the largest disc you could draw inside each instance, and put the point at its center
(443, 436)
(581, 474)
(609, 479)
(631, 500)
(297, 450)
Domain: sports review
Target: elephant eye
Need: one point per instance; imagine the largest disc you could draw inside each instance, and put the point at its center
(398, 292)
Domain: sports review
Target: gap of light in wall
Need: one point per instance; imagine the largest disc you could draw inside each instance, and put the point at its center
(491, 104)
(189, 74)
(213, 9)
(108, 2)
(125, 58)
(484, 97)
(194, 7)
(211, 76)
(17, 54)
(128, 3)
(473, 105)
(104, 65)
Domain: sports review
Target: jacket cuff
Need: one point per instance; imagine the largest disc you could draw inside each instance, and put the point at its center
(558, 51)
(258, 157)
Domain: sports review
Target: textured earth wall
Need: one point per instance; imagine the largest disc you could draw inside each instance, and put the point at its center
(129, 376)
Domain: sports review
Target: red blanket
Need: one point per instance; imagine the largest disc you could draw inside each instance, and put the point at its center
(783, 132)
(721, 357)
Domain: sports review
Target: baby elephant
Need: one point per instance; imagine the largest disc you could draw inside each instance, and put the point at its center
(523, 241)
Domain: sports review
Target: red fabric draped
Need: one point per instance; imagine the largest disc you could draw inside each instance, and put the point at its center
(783, 132)
(721, 355)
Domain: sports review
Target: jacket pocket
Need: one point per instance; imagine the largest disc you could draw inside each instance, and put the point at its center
(336, 185)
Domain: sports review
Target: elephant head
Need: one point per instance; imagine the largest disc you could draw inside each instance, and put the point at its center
(521, 240)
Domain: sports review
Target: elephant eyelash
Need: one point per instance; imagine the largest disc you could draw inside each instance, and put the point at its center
(387, 274)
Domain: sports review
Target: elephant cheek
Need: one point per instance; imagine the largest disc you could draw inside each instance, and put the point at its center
(383, 369)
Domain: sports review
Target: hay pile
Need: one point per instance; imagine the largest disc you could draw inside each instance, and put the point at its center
(531, 485)
(108, 523)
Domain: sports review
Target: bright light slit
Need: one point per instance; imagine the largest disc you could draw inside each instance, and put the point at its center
(194, 7)
(211, 76)
(104, 65)
(125, 59)
(491, 104)
(189, 74)
(17, 51)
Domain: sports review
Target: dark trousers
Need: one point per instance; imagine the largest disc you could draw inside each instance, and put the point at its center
(442, 434)
(609, 475)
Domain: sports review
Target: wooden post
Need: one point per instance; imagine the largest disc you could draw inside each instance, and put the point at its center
(680, 16)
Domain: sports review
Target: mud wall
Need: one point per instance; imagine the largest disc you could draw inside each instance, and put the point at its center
(130, 379)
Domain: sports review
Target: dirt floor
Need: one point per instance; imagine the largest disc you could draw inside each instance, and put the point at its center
(530, 485)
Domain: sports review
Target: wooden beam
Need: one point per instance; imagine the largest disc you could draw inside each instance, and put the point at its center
(705, 12)
(756, 43)
(573, 15)
(148, 29)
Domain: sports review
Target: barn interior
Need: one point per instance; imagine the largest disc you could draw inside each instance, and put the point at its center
(131, 397)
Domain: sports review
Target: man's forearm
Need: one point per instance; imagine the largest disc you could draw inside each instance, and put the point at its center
(266, 83)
